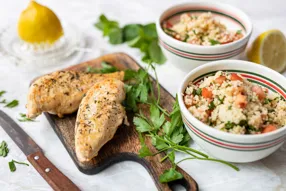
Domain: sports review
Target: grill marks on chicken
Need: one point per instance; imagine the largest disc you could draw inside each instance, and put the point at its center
(61, 92)
(99, 115)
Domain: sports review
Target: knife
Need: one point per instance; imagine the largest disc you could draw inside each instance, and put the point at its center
(57, 180)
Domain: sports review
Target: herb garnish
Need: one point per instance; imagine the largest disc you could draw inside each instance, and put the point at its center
(4, 149)
(267, 101)
(12, 104)
(105, 68)
(186, 38)
(12, 165)
(3, 101)
(229, 125)
(211, 106)
(214, 42)
(24, 118)
(221, 100)
(197, 92)
(143, 37)
(2, 92)
(238, 31)
(168, 136)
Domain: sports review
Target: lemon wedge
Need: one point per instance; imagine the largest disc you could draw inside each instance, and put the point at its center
(39, 24)
(269, 49)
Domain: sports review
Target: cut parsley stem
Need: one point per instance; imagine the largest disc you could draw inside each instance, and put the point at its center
(210, 159)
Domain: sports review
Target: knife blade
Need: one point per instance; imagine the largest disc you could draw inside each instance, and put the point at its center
(20, 137)
(56, 179)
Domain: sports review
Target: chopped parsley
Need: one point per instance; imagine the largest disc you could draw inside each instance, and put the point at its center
(197, 92)
(214, 42)
(24, 118)
(12, 104)
(2, 92)
(4, 149)
(211, 105)
(229, 125)
(238, 31)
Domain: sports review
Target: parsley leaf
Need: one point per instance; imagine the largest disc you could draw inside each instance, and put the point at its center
(106, 25)
(156, 53)
(3, 101)
(142, 125)
(4, 149)
(131, 31)
(238, 31)
(12, 104)
(170, 175)
(115, 36)
(144, 151)
(155, 116)
(24, 118)
(214, 42)
(2, 92)
(12, 165)
(105, 68)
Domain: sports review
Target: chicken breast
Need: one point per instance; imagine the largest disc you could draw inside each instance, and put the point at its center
(99, 115)
(61, 92)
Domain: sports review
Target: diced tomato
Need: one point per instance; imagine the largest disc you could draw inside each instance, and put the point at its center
(269, 128)
(169, 25)
(207, 93)
(220, 79)
(259, 92)
(234, 77)
(241, 101)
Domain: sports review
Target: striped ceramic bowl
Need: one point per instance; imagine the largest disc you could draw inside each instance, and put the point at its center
(188, 56)
(227, 146)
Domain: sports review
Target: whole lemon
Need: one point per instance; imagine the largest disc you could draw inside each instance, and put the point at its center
(39, 24)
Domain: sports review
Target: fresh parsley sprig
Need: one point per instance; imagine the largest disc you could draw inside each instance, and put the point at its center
(143, 37)
(168, 136)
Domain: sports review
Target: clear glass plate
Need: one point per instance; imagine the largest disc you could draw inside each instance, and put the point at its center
(41, 55)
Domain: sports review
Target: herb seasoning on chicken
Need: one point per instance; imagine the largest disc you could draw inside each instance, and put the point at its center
(61, 92)
(99, 115)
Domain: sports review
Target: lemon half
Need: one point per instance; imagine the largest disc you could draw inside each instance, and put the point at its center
(39, 24)
(269, 49)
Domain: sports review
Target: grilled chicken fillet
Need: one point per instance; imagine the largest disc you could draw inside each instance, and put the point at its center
(99, 115)
(61, 92)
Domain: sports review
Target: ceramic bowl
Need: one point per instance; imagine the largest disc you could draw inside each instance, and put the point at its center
(188, 56)
(227, 146)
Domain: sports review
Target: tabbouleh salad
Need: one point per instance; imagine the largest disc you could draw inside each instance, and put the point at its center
(201, 29)
(231, 103)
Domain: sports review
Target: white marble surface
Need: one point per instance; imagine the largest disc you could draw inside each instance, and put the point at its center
(267, 174)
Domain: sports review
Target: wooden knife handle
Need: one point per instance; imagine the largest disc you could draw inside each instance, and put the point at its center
(57, 180)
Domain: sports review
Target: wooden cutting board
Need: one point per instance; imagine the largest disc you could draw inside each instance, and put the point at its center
(125, 144)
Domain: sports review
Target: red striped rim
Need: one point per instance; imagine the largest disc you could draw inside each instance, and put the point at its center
(196, 56)
(235, 146)
(277, 89)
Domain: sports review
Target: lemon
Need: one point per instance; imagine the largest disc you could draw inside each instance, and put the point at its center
(269, 49)
(39, 24)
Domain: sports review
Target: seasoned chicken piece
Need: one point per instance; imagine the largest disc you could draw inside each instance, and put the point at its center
(61, 92)
(99, 115)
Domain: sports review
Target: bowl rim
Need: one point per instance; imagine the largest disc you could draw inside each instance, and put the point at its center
(199, 47)
(209, 129)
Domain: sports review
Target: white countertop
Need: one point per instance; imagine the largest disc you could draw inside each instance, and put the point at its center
(267, 174)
